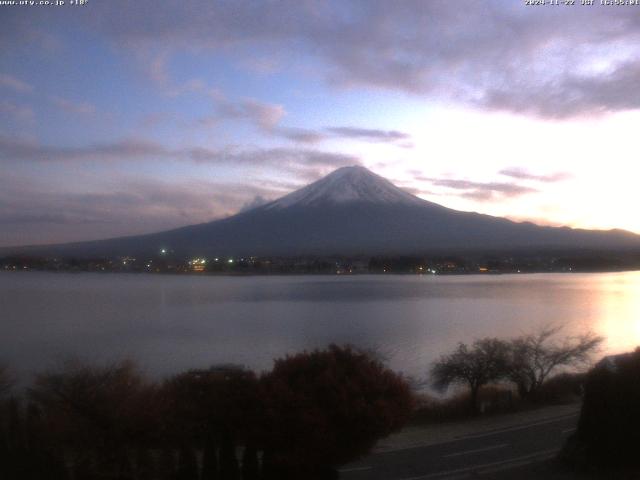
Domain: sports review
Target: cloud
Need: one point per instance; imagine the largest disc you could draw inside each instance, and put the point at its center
(9, 81)
(523, 174)
(417, 191)
(482, 191)
(152, 120)
(195, 85)
(303, 162)
(69, 106)
(300, 135)
(572, 95)
(29, 34)
(263, 65)
(256, 202)
(369, 134)
(12, 149)
(33, 211)
(16, 112)
(264, 115)
(479, 195)
(29, 208)
(157, 70)
(490, 57)
(13, 218)
(289, 159)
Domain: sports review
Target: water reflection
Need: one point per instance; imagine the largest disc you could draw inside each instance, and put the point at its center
(169, 323)
(618, 311)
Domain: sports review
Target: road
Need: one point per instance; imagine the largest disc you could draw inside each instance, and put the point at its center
(469, 455)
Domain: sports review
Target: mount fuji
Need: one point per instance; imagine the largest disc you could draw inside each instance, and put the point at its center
(351, 211)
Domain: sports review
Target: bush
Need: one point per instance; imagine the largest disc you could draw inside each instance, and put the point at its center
(326, 408)
(491, 399)
(608, 432)
(314, 411)
(96, 416)
(214, 410)
(561, 388)
(108, 407)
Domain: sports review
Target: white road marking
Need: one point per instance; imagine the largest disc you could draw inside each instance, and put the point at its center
(477, 450)
(495, 465)
(478, 435)
(568, 430)
(516, 427)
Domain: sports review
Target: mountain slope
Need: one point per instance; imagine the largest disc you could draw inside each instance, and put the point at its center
(347, 185)
(352, 211)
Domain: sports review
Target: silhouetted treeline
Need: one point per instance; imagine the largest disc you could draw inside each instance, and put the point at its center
(433, 263)
(313, 412)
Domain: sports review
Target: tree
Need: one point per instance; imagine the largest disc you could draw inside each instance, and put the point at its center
(608, 435)
(6, 382)
(100, 413)
(24, 453)
(532, 358)
(214, 410)
(485, 361)
(327, 407)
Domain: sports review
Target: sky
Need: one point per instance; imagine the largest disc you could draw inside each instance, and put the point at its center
(125, 117)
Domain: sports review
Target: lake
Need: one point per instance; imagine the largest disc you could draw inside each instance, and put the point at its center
(170, 323)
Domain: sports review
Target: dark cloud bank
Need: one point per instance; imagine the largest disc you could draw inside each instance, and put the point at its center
(549, 62)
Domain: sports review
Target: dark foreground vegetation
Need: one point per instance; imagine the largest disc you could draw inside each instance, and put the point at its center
(605, 444)
(310, 414)
(608, 433)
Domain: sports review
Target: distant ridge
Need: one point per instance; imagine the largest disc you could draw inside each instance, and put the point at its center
(351, 211)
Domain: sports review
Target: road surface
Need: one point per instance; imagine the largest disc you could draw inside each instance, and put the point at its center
(468, 455)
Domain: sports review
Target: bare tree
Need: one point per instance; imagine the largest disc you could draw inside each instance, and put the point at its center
(99, 413)
(532, 358)
(485, 361)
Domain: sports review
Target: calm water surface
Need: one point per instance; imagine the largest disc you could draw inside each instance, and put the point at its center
(170, 323)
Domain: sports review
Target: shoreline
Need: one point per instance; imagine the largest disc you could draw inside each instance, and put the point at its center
(320, 274)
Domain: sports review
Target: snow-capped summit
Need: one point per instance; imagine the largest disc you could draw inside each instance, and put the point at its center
(347, 185)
